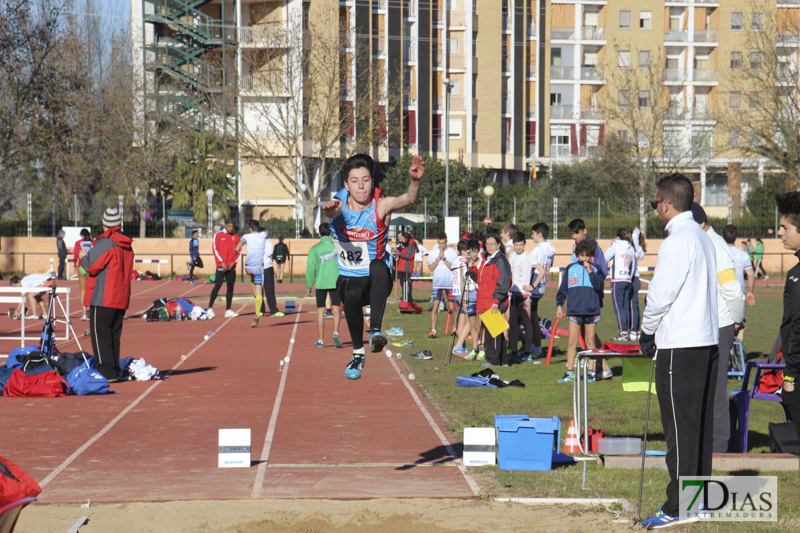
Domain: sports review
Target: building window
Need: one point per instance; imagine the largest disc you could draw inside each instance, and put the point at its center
(555, 99)
(756, 61)
(623, 135)
(737, 21)
(757, 23)
(755, 100)
(645, 20)
(643, 138)
(735, 100)
(455, 128)
(555, 57)
(644, 99)
(644, 59)
(455, 88)
(734, 139)
(736, 61)
(754, 139)
(624, 58)
(453, 44)
(624, 99)
(624, 20)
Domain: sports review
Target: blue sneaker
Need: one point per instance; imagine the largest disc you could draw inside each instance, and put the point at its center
(661, 519)
(460, 351)
(377, 341)
(568, 378)
(353, 370)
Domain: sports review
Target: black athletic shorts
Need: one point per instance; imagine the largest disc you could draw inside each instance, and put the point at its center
(322, 297)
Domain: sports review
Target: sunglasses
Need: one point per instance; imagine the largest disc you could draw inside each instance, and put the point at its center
(654, 203)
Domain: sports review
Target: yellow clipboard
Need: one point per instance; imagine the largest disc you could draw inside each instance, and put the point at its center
(495, 322)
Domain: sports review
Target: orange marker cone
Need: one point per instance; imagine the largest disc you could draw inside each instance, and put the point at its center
(572, 444)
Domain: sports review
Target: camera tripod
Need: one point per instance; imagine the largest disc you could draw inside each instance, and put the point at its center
(48, 330)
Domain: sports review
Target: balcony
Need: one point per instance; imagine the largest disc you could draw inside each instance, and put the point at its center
(560, 151)
(559, 112)
(410, 9)
(591, 113)
(379, 4)
(787, 36)
(704, 114)
(593, 33)
(508, 23)
(675, 113)
(563, 34)
(590, 151)
(437, 17)
(675, 74)
(458, 20)
(456, 63)
(378, 46)
(704, 75)
(706, 36)
(273, 35)
(562, 73)
(266, 83)
(437, 59)
(702, 152)
(677, 36)
(530, 30)
(592, 73)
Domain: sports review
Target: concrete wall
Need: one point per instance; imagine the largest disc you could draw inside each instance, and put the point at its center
(37, 252)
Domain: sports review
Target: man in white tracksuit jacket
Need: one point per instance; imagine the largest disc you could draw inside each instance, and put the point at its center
(731, 306)
(680, 327)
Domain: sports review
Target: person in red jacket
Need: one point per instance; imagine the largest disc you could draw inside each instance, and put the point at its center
(108, 264)
(226, 256)
(406, 248)
(494, 282)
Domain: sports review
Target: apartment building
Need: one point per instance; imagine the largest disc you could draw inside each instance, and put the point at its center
(511, 85)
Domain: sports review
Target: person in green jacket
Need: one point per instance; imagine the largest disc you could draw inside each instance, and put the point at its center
(758, 268)
(322, 270)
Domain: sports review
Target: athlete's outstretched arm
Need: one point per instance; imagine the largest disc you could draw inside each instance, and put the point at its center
(332, 209)
(394, 203)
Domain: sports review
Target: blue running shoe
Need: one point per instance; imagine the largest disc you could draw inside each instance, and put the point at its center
(353, 370)
(377, 341)
(460, 351)
(661, 520)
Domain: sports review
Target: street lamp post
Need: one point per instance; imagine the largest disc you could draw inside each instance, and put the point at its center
(210, 194)
(447, 86)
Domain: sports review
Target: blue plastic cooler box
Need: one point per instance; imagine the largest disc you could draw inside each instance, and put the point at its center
(525, 443)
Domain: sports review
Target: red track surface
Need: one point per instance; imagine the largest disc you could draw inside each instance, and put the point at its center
(315, 434)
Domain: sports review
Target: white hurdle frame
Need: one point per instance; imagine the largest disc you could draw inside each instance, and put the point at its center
(18, 293)
(158, 262)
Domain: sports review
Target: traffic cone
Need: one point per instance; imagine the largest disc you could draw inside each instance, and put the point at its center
(572, 444)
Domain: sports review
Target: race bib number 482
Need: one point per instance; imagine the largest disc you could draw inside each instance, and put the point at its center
(352, 254)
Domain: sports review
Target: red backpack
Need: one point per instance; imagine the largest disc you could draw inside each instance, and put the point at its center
(45, 385)
(15, 484)
(771, 379)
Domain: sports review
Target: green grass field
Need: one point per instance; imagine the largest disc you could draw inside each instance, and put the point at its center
(620, 414)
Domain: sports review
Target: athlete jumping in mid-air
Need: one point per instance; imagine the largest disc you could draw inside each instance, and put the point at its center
(360, 216)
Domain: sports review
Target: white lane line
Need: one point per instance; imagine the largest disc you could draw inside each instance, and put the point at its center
(119, 417)
(471, 482)
(273, 420)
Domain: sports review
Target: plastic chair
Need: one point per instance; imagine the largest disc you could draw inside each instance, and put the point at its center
(740, 399)
(736, 364)
(10, 513)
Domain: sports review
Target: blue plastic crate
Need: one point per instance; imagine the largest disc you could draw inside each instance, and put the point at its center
(525, 443)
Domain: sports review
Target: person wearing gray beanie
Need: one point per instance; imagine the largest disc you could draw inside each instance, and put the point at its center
(108, 264)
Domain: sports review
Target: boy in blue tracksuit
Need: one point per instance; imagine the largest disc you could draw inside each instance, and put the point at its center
(582, 284)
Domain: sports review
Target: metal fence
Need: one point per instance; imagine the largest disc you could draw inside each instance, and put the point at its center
(602, 217)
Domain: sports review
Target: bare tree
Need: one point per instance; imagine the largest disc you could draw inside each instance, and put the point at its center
(762, 107)
(304, 107)
(649, 134)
